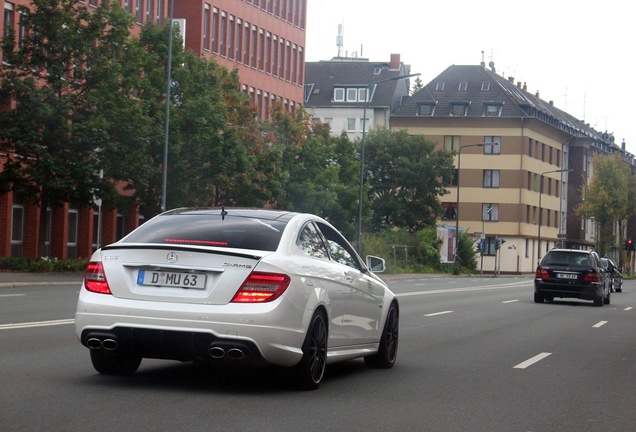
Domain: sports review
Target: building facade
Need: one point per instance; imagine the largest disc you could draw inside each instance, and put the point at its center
(522, 164)
(264, 40)
(64, 231)
(336, 92)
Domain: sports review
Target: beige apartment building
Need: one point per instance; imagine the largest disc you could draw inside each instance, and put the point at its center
(522, 164)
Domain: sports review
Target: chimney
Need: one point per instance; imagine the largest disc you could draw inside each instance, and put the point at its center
(552, 103)
(525, 87)
(395, 62)
(518, 84)
(511, 79)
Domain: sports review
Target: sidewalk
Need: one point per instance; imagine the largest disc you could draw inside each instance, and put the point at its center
(20, 279)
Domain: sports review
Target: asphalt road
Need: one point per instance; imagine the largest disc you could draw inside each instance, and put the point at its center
(475, 355)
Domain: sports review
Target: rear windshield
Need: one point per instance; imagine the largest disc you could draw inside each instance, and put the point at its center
(210, 230)
(569, 258)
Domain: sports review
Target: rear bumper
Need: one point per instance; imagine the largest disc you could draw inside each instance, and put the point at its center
(271, 333)
(173, 345)
(568, 290)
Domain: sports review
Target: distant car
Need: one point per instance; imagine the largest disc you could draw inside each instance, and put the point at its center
(572, 273)
(615, 276)
(237, 286)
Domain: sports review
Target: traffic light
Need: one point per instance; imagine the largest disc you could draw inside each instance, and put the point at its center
(629, 245)
(498, 243)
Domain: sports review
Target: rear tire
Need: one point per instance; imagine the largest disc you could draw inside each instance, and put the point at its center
(387, 351)
(538, 297)
(598, 301)
(111, 363)
(311, 368)
(606, 299)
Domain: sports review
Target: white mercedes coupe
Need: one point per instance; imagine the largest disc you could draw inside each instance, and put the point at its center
(238, 286)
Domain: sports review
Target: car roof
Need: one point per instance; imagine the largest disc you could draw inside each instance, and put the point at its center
(267, 214)
(583, 251)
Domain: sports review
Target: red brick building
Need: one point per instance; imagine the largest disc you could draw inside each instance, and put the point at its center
(263, 39)
(70, 232)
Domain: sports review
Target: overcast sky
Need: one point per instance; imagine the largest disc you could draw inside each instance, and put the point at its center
(581, 55)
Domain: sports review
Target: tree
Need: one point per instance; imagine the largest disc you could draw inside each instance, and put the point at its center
(209, 161)
(417, 85)
(466, 254)
(406, 175)
(322, 170)
(198, 117)
(606, 199)
(67, 62)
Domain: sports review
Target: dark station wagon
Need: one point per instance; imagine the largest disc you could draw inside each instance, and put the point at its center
(572, 273)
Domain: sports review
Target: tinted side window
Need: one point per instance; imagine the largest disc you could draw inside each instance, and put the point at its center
(310, 241)
(340, 250)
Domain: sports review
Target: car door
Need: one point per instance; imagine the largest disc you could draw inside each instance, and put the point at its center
(357, 297)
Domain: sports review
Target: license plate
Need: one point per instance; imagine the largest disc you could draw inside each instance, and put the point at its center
(171, 279)
(566, 276)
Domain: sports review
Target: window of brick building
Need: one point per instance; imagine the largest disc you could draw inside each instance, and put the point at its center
(17, 230)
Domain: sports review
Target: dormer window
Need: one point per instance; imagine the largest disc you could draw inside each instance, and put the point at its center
(339, 94)
(463, 86)
(439, 86)
(492, 109)
(349, 94)
(427, 109)
(485, 86)
(459, 109)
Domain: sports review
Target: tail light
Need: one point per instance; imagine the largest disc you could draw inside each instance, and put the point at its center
(262, 287)
(95, 278)
(542, 273)
(592, 277)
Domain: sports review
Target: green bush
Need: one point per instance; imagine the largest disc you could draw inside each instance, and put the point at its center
(418, 252)
(42, 265)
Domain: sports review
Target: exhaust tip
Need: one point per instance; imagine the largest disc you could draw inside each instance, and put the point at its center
(94, 343)
(235, 354)
(110, 344)
(216, 352)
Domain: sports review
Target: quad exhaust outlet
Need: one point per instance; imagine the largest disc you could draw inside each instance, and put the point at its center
(106, 343)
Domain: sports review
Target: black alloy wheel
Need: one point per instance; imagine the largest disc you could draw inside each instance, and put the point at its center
(387, 351)
(311, 368)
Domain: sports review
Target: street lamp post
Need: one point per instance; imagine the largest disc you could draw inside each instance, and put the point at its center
(459, 161)
(164, 172)
(364, 128)
(540, 212)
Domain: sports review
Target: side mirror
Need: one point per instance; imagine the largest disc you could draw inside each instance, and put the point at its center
(376, 264)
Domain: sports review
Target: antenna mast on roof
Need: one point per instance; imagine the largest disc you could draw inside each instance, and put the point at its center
(340, 39)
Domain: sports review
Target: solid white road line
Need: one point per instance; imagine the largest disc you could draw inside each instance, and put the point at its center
(36, 324)
(532, 361)
(510, 301)
(12, 295)
(451, 290)
(599, 324)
